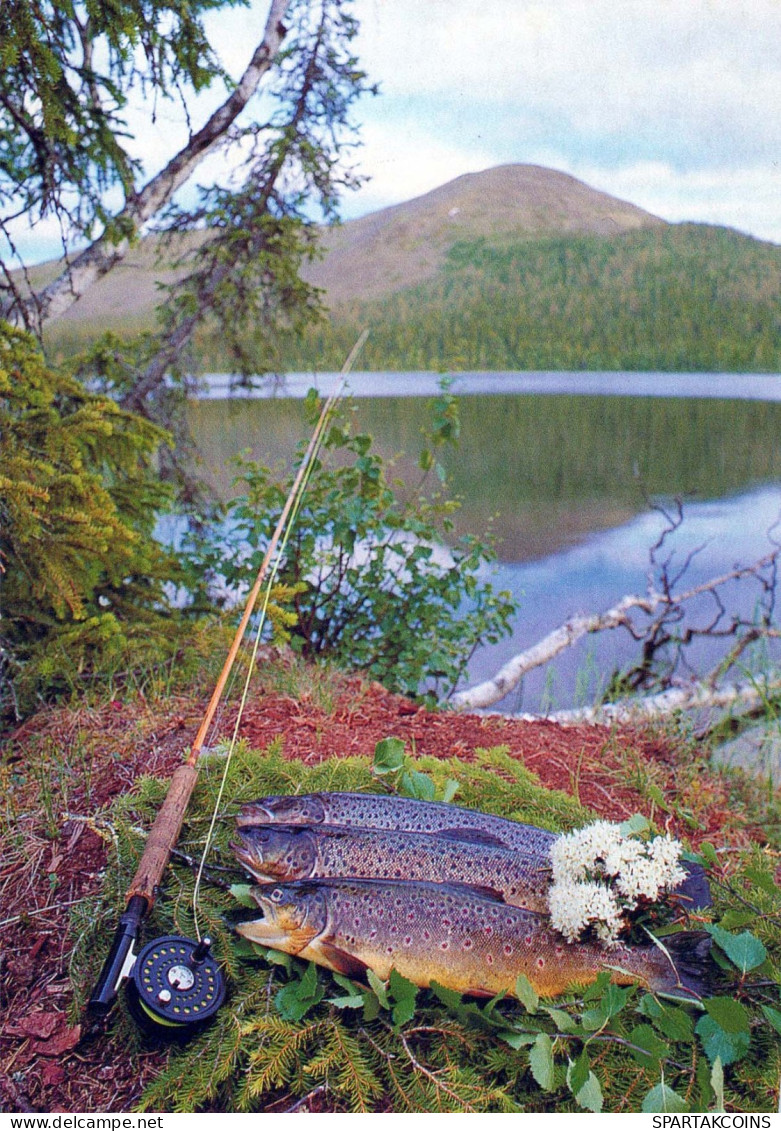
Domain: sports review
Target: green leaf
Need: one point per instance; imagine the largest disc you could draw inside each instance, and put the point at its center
(612, 1001)
(388, 756)
(717, 1083)
(379, 988)
(728, 1013)
(663, 1099)
(655, 794)
(745, 951)
(449, 790)
(275, 957)
(737, 918)
(709, 853)
(526, 994)
(246, 949)
(637, 823)
(451, 998)
(773, 1017)
(763, 879)
(655, 1049)
(348, 1001)
(241, 892)
(417, 785)
(672, 1022)
(296, 998)
(515, 1038)
(578, 1072)
(590, 1095)
(404, 994)
(718, 1043)
(563, 1021)
(541, 1061)
(598, 986)
(355, 997)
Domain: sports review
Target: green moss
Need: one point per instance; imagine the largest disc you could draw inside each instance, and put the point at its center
(459, 1057)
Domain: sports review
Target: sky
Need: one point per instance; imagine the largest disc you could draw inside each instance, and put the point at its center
(674, 105)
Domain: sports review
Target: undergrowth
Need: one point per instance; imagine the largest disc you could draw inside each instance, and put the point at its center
(296, 1037)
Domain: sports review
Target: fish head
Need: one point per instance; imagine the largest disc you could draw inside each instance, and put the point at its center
(304, 809)
(293, 916)
(276, 852)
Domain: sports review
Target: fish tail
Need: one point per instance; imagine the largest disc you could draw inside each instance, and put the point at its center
(684, 968)
(694, 891)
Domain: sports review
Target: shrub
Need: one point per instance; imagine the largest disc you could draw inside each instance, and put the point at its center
(372, 584)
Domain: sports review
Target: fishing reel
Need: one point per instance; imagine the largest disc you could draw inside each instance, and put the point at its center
(174, 984)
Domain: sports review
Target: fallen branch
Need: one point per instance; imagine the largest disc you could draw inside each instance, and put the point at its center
(747, 697)
(662, 602)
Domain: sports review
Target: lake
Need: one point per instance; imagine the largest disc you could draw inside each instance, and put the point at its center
(563, 474)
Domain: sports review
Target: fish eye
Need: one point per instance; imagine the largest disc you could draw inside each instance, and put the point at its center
(276, 894)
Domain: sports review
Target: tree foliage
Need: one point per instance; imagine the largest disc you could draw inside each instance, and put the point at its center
(79, 493)
(70, 73)
(67, 71)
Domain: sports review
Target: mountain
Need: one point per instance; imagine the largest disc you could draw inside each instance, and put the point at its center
(403, 245)
(516, 267)
(390, 249)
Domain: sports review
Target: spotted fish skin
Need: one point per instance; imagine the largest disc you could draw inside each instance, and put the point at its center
(386, 811)
(296, 852)
(457, 938)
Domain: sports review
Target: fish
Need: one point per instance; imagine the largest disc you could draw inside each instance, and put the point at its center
(298, 852)
(387, 811)
(461, 939)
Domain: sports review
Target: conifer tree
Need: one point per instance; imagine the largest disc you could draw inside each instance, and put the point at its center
(80, 574)
(69, 71)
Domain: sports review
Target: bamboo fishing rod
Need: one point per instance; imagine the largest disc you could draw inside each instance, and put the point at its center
(180, 974)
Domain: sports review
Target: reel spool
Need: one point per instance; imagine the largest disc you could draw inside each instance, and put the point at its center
(175, 987)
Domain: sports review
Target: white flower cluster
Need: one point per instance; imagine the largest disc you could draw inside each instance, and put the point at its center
(599, 874)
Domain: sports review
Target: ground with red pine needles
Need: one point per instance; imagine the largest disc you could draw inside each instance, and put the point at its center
(54, 855)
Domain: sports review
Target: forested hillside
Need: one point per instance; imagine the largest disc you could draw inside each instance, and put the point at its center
(687, 297)
(517, 267)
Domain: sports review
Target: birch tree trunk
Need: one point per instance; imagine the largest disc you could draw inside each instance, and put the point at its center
(104, 254)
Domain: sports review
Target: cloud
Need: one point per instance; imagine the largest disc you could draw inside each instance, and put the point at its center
(674, 104)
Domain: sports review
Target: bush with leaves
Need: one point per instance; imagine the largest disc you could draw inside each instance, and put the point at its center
(375, 587)
(82, 576)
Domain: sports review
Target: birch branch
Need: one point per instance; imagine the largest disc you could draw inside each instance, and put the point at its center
(747, 697)
(102, 255)
(510, 675)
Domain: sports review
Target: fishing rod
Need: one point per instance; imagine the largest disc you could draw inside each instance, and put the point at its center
(174, 984)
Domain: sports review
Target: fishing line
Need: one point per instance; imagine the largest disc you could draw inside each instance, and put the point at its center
(297, 495)
(174, 984)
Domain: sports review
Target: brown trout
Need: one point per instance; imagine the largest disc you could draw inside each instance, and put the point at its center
(379, 811)
(299, 852)
(459, 939)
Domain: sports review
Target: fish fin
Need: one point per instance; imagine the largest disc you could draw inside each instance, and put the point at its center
(693, 893)
(482, 890)
(473, 836)
(690, 973)
(339, 960)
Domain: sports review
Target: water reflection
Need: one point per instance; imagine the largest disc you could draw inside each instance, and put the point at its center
(594, 575)
(543, 471)
(564, 482)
